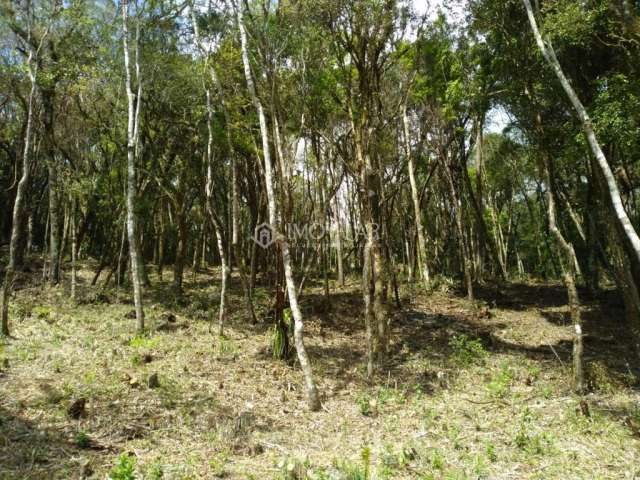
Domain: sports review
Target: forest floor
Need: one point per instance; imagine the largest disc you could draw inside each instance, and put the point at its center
(468, 392)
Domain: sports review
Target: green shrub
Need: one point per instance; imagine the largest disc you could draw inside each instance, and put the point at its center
(368, 406)
(155, 471)
(490, 450)
(124, 469)
(466, 351)
(143, 341)
(82, 440)
(500, 382)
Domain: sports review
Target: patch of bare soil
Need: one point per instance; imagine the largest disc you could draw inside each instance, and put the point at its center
(468, 391)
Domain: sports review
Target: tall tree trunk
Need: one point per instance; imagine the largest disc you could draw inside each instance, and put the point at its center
(312, 392)
(131, 175)
(568, 264)
(224, 269)
(54, 222)
(462, 238)
(66, 219)
(614, 193)
(74, 249)
(417, 211)
(30, 222)
(236, 251)
(224, 275)
(339, 254)
(20, 200)
(181, 249)
(161, 242)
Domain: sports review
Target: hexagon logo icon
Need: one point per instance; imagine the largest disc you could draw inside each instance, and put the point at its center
(264, 235)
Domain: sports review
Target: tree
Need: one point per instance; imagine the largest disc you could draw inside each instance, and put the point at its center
(133, 125)
(274, 221)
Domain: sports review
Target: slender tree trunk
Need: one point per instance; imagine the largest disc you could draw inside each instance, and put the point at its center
(312, 392)
(567, 264)
(65, 234)
(236, 251)
(224, 269)
(161, 242)
(181, 250)
(30, 222)
(20, 199)
(614, 193)
(54, 224)
(224, 274)
(74, 250)
(367, 294)
(417, 212)
(462, 238)
(339, 253)
(131, 176)
(45, 247)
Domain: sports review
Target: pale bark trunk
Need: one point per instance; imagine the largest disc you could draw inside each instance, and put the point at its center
(54, 224)
(74, 250)
(567, 264)
(181, 248)
(612, 187)
(224, 273)
(45, 248)
(131, 175)
(417, 213)
(30, 222)
(339, 261)
(312, 392)
(367, 293)
(235, 246)
(218, 232)
(161, 242)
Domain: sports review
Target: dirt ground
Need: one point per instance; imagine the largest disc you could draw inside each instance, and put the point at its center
(468, 391)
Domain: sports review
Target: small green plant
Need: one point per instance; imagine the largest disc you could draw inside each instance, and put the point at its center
(368, 406)
(218, 464)
(226, 347)
(430, 415)
(533, 372)
(281, 336)
(466, 351)
(143, 341)
(41, 312)
(500, 382)
(82, 440)
(394, 459)
(490, 450)
(530, 442)
(124, 468)
(385, 395)
(155, 471)
(437, 460)
(600, 379)
(634, 414)
(390, 462)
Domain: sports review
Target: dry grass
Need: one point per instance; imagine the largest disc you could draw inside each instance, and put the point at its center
(467, 392)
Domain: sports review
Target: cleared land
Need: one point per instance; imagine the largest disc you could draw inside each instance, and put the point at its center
(468, 392)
